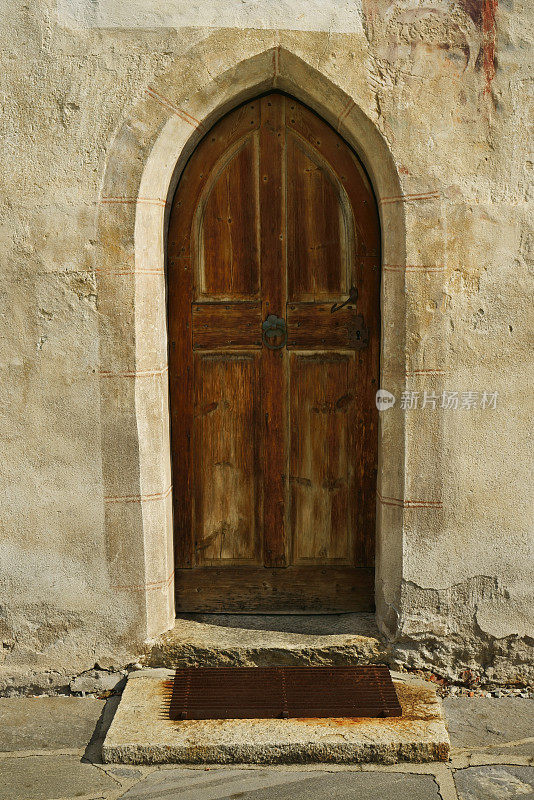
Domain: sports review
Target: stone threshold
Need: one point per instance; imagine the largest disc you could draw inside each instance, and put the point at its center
(142, 733)
(269, 640)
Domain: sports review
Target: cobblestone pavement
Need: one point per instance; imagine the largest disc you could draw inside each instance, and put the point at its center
(50, 750)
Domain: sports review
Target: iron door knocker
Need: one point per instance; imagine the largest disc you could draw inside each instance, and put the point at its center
(272, 327)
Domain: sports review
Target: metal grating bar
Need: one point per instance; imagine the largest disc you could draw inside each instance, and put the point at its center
(281, 692)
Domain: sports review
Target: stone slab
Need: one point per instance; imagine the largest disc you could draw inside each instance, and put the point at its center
(356, 624)
(495, 783)
(221, 784)
(50, 778)
(269, 639)
(96, 681)
(490, 725)
(47, 723)
(141, 732)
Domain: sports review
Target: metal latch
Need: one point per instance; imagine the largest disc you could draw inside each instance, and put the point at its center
(353, 296)
(358, 333)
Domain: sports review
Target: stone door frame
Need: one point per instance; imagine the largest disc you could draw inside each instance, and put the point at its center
(143, 166)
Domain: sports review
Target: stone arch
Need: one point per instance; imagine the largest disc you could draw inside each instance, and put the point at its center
(143, 168)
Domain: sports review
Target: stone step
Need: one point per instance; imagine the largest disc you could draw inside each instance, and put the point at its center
(269, 640)
(143, 733)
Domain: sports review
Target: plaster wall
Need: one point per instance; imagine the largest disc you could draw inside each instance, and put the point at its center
(97, 111)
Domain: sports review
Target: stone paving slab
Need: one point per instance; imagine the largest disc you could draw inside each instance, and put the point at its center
(47, 723)
(495, 783)
(488, 724)
(490, 742)
(51, 778)
(279, 785)
(142, 733)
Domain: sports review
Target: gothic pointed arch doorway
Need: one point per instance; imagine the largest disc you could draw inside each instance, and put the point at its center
(273, 320)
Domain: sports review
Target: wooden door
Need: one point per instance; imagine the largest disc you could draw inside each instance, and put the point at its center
(272, 386)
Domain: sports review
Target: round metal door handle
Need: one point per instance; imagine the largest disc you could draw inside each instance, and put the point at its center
(272, 327)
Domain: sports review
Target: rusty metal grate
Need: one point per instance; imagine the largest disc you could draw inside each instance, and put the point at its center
(282, 692)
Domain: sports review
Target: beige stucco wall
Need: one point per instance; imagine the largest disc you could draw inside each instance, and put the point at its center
(97, 111)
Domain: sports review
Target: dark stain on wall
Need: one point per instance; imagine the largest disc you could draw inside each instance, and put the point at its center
(474, 9)
(483, 14)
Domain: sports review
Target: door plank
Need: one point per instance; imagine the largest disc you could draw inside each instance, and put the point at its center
(228, 258)
(294, 590)
(348, 168)
(219, 326)
(312, 325)
(231, 129)
(321, 474)
(226, 452)
(319, 227)
(274, 378)
(366, 456)
(181, 385)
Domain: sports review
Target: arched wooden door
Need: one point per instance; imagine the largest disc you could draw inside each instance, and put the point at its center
(272, 386)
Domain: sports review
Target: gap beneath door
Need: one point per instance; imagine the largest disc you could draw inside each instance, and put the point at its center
(306, 624)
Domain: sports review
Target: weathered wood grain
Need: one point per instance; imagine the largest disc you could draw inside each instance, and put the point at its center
(220, 326)
(318, 226)
(312, 325)
(274, 362)
(226, 451)
(228, 258)
(321, 475)
(292, 590)
(181, 386)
